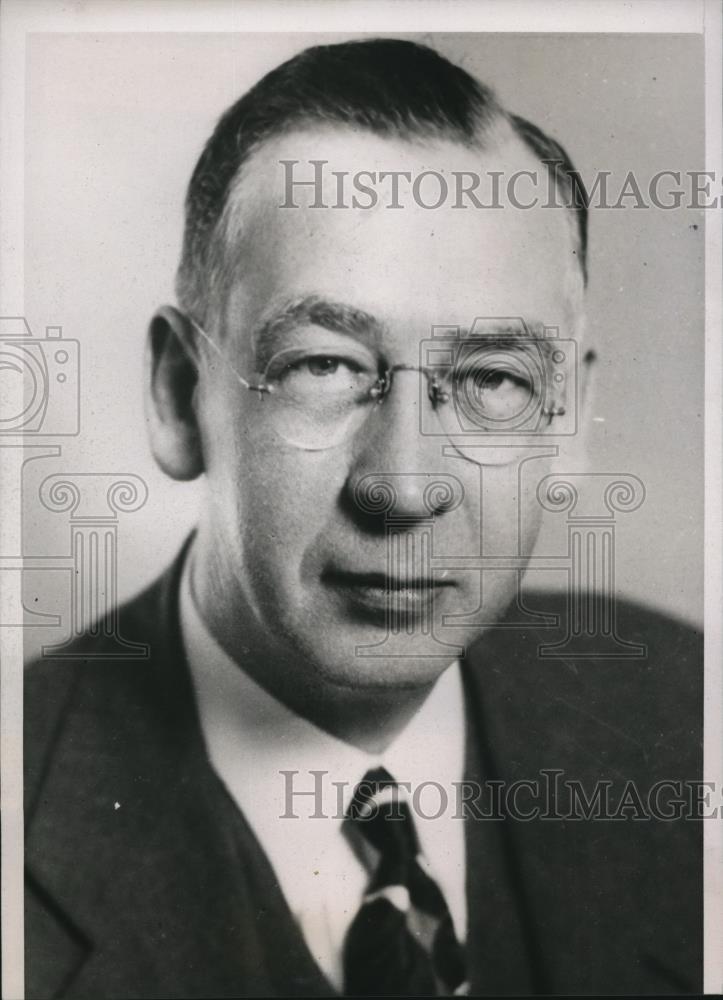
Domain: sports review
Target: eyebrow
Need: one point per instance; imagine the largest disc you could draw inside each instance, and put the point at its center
(314, 310)
(349, 320)
(513, 332)
(507, 328)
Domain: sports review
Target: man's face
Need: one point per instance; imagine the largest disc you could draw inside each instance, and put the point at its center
(298, 556)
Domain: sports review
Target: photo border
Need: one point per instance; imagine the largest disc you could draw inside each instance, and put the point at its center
(18, 19)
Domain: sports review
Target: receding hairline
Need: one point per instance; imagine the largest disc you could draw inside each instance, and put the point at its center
(389, 87)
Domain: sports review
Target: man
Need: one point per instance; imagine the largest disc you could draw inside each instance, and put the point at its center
(247, 812)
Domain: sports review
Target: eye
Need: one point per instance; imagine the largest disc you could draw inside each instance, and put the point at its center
(494, 379)
(321, 365)
(491, 377)
(298, 365)
(313, 377)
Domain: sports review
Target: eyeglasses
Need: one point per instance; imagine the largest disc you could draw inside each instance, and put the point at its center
(489, 397)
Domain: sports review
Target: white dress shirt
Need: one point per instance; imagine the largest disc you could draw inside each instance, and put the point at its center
(251, 738)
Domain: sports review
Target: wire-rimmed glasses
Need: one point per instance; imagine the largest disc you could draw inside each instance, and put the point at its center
(487, 396)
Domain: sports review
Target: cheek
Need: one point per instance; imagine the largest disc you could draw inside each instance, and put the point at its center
(283, 500)
(511, 512)
(269, 500)
(530, 509)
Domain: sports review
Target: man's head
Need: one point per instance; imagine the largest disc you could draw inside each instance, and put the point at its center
(300, 559)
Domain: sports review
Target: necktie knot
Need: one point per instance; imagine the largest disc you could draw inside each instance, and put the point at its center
(380, 816)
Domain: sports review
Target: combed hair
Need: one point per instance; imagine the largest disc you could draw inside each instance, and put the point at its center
(386, 86)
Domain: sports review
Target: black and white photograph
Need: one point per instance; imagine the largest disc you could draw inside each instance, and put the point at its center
(360, 566)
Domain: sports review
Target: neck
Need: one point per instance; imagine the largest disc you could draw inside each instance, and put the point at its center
(370, 721)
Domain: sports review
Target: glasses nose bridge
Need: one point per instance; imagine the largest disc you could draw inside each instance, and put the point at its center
(435, 392)
(399, 428)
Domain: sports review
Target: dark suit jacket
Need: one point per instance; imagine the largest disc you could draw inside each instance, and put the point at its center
(144, 880)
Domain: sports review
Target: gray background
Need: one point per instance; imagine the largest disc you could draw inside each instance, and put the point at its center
(114, 125)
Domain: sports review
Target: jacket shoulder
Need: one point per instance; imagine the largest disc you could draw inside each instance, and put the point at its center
(634, 692)
(90, 681)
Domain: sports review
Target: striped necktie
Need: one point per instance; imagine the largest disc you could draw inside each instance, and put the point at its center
(402, 940)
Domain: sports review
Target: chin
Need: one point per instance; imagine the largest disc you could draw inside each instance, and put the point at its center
(366, 659)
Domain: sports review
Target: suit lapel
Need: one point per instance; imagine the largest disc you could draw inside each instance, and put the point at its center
(521, 870)
(501, 947)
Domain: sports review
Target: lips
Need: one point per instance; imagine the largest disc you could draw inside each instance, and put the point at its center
(384, 594)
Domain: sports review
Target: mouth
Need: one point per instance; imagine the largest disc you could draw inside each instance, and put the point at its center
(382, 594)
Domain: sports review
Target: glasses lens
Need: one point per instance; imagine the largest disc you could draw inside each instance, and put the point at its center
(496, 397)
(318, 397)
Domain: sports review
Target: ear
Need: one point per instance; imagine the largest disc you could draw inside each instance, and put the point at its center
(575, 455)
(587, 381)
(171, 380)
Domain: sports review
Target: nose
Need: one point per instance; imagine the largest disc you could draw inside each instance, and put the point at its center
(395, 466)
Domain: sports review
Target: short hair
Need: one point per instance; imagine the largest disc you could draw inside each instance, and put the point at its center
(386, 86)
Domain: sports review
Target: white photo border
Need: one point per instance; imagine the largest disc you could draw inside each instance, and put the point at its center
(18, 19)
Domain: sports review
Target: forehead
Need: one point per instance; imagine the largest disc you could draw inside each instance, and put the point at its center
(412, 267)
